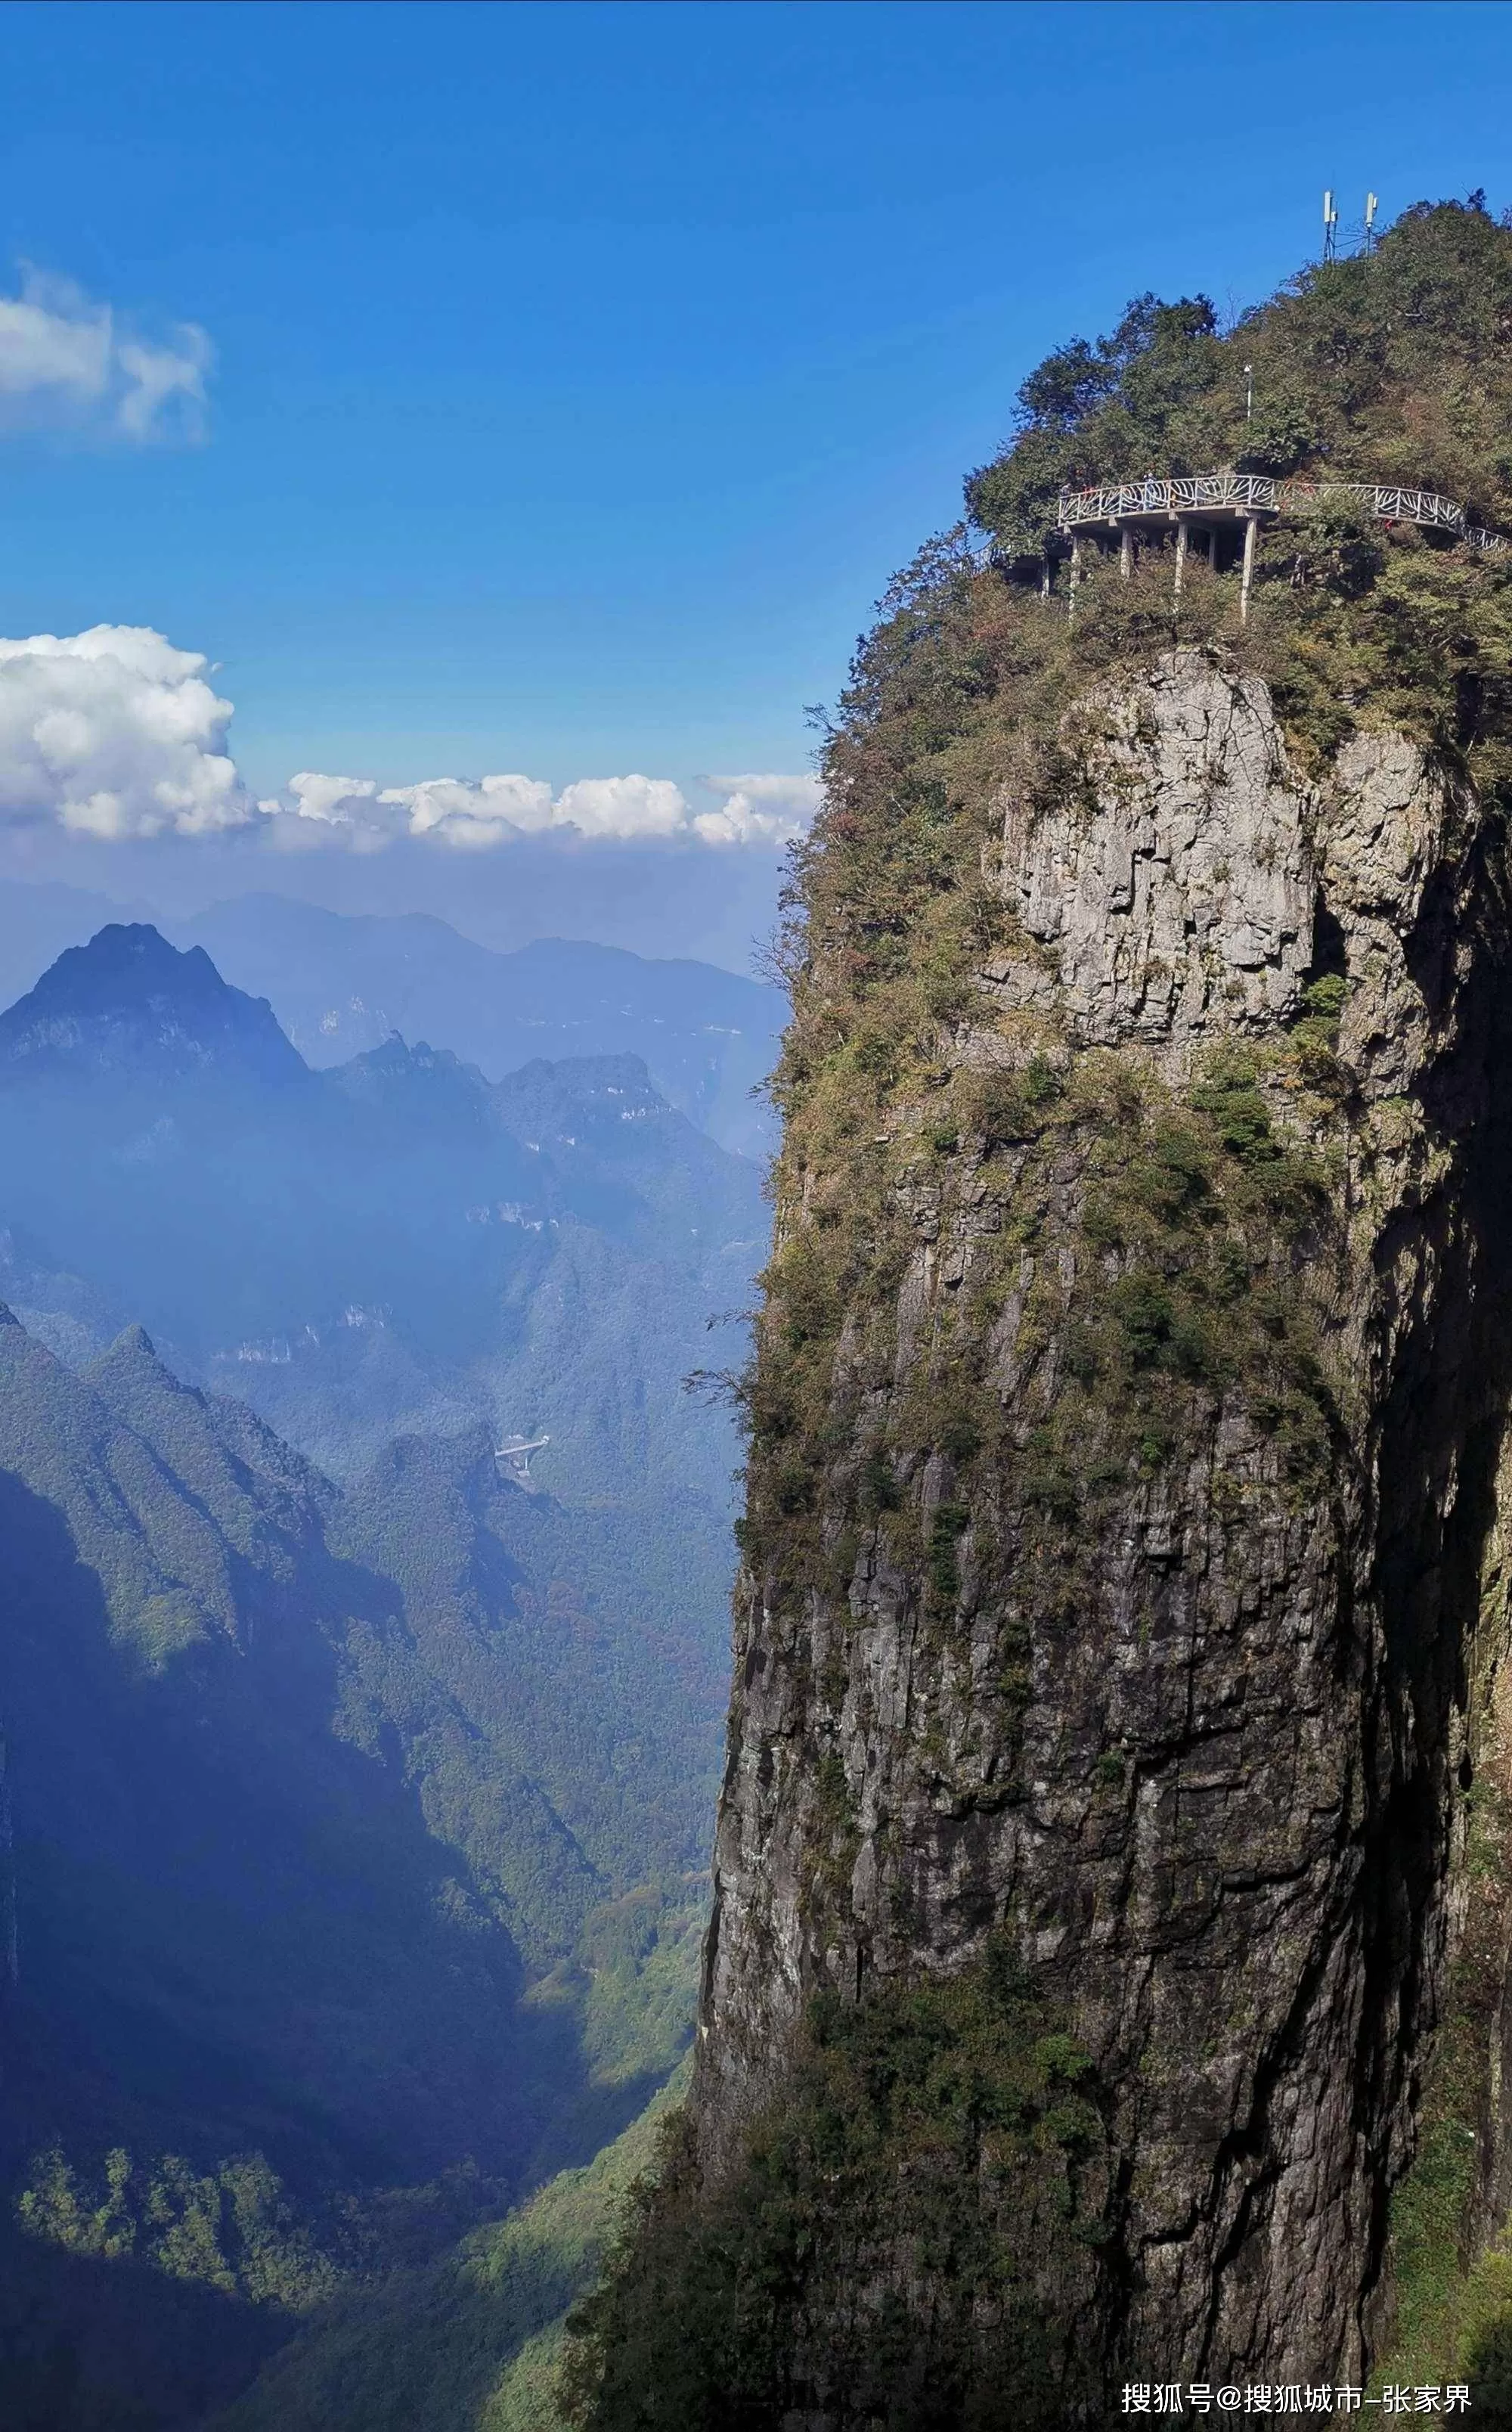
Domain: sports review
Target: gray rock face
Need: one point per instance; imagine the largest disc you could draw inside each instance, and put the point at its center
(1218, 1813)
(1175, 896)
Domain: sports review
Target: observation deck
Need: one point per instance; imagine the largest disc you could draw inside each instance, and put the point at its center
(1235, 498)
(1212, 506)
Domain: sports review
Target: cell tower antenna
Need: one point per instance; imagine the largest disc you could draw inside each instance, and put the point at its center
(1248, 392)
(1372, 204)
(1330, 224)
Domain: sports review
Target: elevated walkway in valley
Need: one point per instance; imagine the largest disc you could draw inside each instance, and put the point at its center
(514, 1457)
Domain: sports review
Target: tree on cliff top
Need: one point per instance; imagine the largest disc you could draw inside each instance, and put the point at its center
(1392, 365)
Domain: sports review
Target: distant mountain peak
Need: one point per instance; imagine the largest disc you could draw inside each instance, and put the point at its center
(130, 1002)
(132, 1360)
(397, 1055)
(132, 1342)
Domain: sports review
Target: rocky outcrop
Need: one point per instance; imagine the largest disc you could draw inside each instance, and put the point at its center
(1175, 897)
(1191, 1719)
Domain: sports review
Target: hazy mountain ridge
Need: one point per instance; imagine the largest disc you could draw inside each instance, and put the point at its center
(591, 1701)
(395, 1244)
(371, 1887)
(341, 983)
(232, 1932)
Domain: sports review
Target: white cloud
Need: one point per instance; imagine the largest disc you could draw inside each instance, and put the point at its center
(622, 806)
(759, 810)
(65, 362)
(366, 817)
(473, 816)
(114, 733)
(313, 811)
(476, 815)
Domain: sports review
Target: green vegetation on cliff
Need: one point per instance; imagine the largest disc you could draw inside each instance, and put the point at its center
(972, 688)
(786, 2292)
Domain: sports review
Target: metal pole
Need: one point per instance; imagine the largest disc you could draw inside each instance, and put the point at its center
(1251, 528)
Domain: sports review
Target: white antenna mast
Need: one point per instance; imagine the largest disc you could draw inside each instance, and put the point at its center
(1372, 206)
(1330, 223)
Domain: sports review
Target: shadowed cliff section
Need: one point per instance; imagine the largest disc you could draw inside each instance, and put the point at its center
(1118, 1647)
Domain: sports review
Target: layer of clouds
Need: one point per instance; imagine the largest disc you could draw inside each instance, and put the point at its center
(68, 363)
(114, 733)
(476, 815)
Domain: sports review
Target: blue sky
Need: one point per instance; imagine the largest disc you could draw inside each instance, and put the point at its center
(580, 373)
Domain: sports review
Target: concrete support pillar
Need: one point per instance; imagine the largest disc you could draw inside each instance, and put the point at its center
(1251, 528)
(1076, 573)
(1047, 569)
(1126, 552)
(1182, 530)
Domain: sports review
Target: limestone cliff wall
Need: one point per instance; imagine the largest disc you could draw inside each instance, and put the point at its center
(1198, 1740)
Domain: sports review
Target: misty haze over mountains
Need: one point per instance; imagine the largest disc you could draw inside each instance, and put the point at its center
(340, 983)
(391, 1244)
(337, 985)
(359, 1795)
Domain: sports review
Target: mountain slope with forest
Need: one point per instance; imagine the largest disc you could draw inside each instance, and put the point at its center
(472, 2342)
(1111, 1861)
(352, 1872)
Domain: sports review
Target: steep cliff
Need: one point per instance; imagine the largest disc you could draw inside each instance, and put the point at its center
(1170, 1666)
(1117, 1646)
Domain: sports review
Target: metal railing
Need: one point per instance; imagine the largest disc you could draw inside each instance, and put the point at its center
(1263, 494)
(1188, 494)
